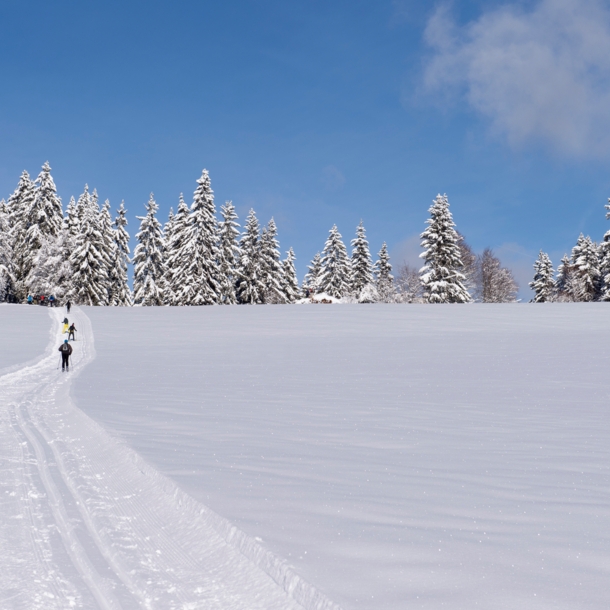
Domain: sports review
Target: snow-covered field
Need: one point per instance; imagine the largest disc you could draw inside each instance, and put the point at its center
(396, 456)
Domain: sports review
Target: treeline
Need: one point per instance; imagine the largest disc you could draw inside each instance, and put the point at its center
(583, 276)
(197, 258)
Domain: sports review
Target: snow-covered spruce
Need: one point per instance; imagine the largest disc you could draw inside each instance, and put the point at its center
(249, 287)
(290, 283)
(7, 278)
(361, 264)
(564, 288)
(442, 278)
(176, 264)
(585, 260)
(148, 259)
(334, 278)
(271, 270)
(120, 286)
(543, 283)
(200, 250)
(384, 280)
(604, 262)
(312, 277)
(89, 262)
(228, 235)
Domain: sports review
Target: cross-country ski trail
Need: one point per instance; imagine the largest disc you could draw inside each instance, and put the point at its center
(86, 523)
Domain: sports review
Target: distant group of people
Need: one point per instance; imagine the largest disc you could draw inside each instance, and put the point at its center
(65, 349)
(42, 299)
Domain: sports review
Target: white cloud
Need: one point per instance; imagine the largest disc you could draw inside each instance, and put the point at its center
(542, 74)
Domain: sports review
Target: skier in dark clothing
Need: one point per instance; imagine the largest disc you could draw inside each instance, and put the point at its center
(66, 351)
(68, 305)
(71, 331)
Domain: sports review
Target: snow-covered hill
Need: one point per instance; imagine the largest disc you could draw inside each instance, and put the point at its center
(397, 456)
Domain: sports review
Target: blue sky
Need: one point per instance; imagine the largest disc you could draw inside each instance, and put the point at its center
(319, 113)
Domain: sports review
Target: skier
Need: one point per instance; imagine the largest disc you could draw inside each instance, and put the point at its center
(51, 301)
(72, 330)
(66, 351)
(68, 305)
(30, 299)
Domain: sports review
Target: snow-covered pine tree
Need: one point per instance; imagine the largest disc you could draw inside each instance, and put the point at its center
(543, 283)
(497, 283)
(335, 273)
(51, 273)
(120, 288)
(604, 263)
(250, 287)
(290, 282)
(228, 235)
(19, 205)
(176, 263)
(6, 255)
(71, 218)
(270, 265)
(148, 259)
(311, 279)
(110, 252)
(384, 279)
(441, 276)
(361, 264)
(168, 230)
(564, 288)
(586, 263)
(201, 249)
(89, 261)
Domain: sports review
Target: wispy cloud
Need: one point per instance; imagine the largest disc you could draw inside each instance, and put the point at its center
(541, 74)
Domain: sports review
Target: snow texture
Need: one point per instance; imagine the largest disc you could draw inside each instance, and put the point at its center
(398, 456)
(87, 523)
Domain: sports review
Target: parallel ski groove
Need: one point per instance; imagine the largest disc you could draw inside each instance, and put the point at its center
(133, 538)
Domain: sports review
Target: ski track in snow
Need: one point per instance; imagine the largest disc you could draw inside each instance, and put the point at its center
(88, 524)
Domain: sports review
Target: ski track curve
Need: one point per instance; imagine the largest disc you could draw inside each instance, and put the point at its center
(86, 523)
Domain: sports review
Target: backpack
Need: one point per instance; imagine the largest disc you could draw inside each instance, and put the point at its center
(64, 347)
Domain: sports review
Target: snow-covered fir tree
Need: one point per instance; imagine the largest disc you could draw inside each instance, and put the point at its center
(290, 282)
(110, 252)
(384, 280)
(335, 272)
(71, 218)
(270, 266)
(168, 230)
(497, 284)
(19, 206)
(250, 288)
(51, 273)
(543, 283)
(148, 259)
(564, 282)
(361, 265)
(585, 257)
(604, 262)
(89, 261)
(200, 248)
(177, 265)
(228, 236)
(6, 254)
(312, 277)
(120, 284)
(441, 277)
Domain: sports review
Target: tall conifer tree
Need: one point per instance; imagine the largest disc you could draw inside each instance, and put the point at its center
(441, 276)
(543, 284)
(250, 287)
(148, 259)
(335, 271)
(383, 276)
(228, 231)
(362, 264)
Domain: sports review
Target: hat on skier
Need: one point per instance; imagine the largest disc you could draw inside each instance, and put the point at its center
(65, 341)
